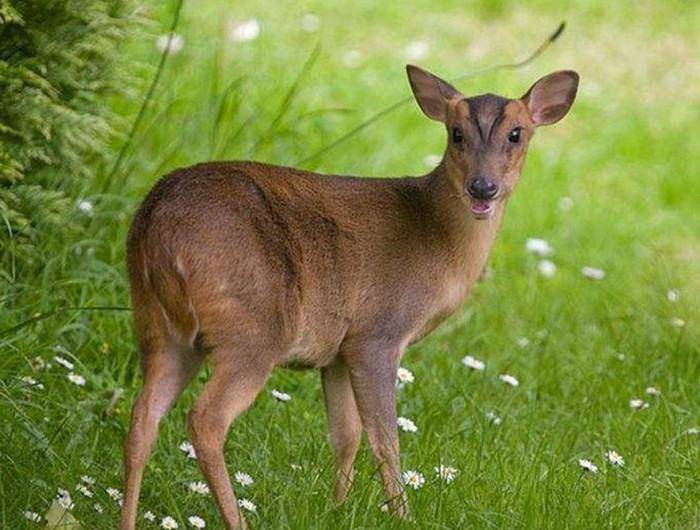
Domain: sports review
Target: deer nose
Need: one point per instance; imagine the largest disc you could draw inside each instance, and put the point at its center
(482, 188)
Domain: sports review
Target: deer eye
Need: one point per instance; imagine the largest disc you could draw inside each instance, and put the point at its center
(457, 136)
(514, 135)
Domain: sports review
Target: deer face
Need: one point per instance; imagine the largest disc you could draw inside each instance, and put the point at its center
(488, 135)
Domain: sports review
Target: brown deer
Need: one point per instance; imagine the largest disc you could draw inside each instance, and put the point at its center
(254, 266)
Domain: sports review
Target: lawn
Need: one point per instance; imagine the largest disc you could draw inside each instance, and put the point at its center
(615, 186)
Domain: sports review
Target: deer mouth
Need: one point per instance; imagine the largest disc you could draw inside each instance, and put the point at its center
(481, 208)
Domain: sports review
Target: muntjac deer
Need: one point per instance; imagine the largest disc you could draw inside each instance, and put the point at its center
(254, 266)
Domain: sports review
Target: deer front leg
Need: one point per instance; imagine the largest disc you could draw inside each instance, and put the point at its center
(373, 377)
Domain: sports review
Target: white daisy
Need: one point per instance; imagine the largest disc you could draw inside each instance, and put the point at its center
(523, 342)
(30, 381)
(547, 268)
(169, 523)
(85, 206)
(196, 521)
(310, 22)
(115, 494)
(652, 391)
(446, 473)
(413, 479)
(677, 322)
(566, 203)
(187, 448)
(404, 375)
(538, 247)
(432, 160)
(172, 44)
(509, 379)
(416, 50)
(244, 479)
(638, 404)
(406, 425)
(592, 273)
(588, 465)
(32, 516)
(280, 396)
(199, 487)
(247, 504)
(295, 467)
(98, 507)
(87, 479)
(149, 516)
(474, 364)
(493, 418)
(64, 362)
(615, 458)
(244, 31)
(38, 363)
(76, 379)
(64, 499)
(82, 488)
(673, 295)
(693, 430)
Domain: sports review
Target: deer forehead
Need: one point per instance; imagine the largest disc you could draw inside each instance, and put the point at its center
(487, 112)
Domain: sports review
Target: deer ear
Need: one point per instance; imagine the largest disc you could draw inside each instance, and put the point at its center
(551, 97)
(431, 92)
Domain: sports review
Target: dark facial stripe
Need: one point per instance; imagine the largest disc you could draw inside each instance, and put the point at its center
(486, 112)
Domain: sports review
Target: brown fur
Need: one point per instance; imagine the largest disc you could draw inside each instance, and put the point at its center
(256, 266)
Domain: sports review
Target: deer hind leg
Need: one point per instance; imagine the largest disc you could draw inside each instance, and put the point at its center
(344, 425)
(236, 380)
(168, 368)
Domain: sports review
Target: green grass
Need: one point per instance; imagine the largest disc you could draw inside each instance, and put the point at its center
(626, 155)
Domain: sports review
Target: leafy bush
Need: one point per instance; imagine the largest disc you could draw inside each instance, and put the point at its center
(59, 59)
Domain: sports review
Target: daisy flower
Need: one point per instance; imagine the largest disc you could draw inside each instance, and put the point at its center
(474, 364)
(30, 381)
(64, 499)
(88, 480)
(82, 488)
(677, 322)
(509, 379)
(693, 430)
(76, 379)
(98, 507)
(493, 418)
(32, 516)
(638, 404)
(673, 295)
(170, 43)
(404, 375)
(588, 465)
(244, 31)
(547, 268)
(85, 206)
(169, 523)
(187, 448)
(199, 487)
(538, 247)
(523, 342)
(196, 521)
(652, 391)
(247, 504)
(64, 362)
(244, 479)
(413, 479)
(115, 494)
(592, 273)
(406, 425)
(280, 396)
(446, 473)
(149, 516)
(615, 458)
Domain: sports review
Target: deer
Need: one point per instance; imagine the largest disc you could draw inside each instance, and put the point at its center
(250, 267)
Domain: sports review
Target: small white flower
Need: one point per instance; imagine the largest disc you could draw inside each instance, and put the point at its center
(406, 425)
(566, 203)
(76, 379)
(30, 381)
(652, 391)
(404, 375)
(169, 523)
(247, 504)
(615, 458)
(509, 379)
(149, 516)
(196, 521)
(446, 473)
(295, 467)
(432, 160)
(115, 494)
(64, 499)
(244, 479)
(493, 418)
(98, 507)
(64, 362)
(173, 44)
(547, 268)
(677, 322)
(588, 465)
(413, 479)
(673, 295)
(523, 342)
(474, 364)
(621, 356)
(693, 430)
(310, 22)
(38, 363)
(280, 396)
(187, 448)
(638, 404)
(85, 206)
(199, 487)
(87, 479)
(538, 247)
(244, 31)
(82, 488)
(32, 516)
(416, 50)
(592, 273)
